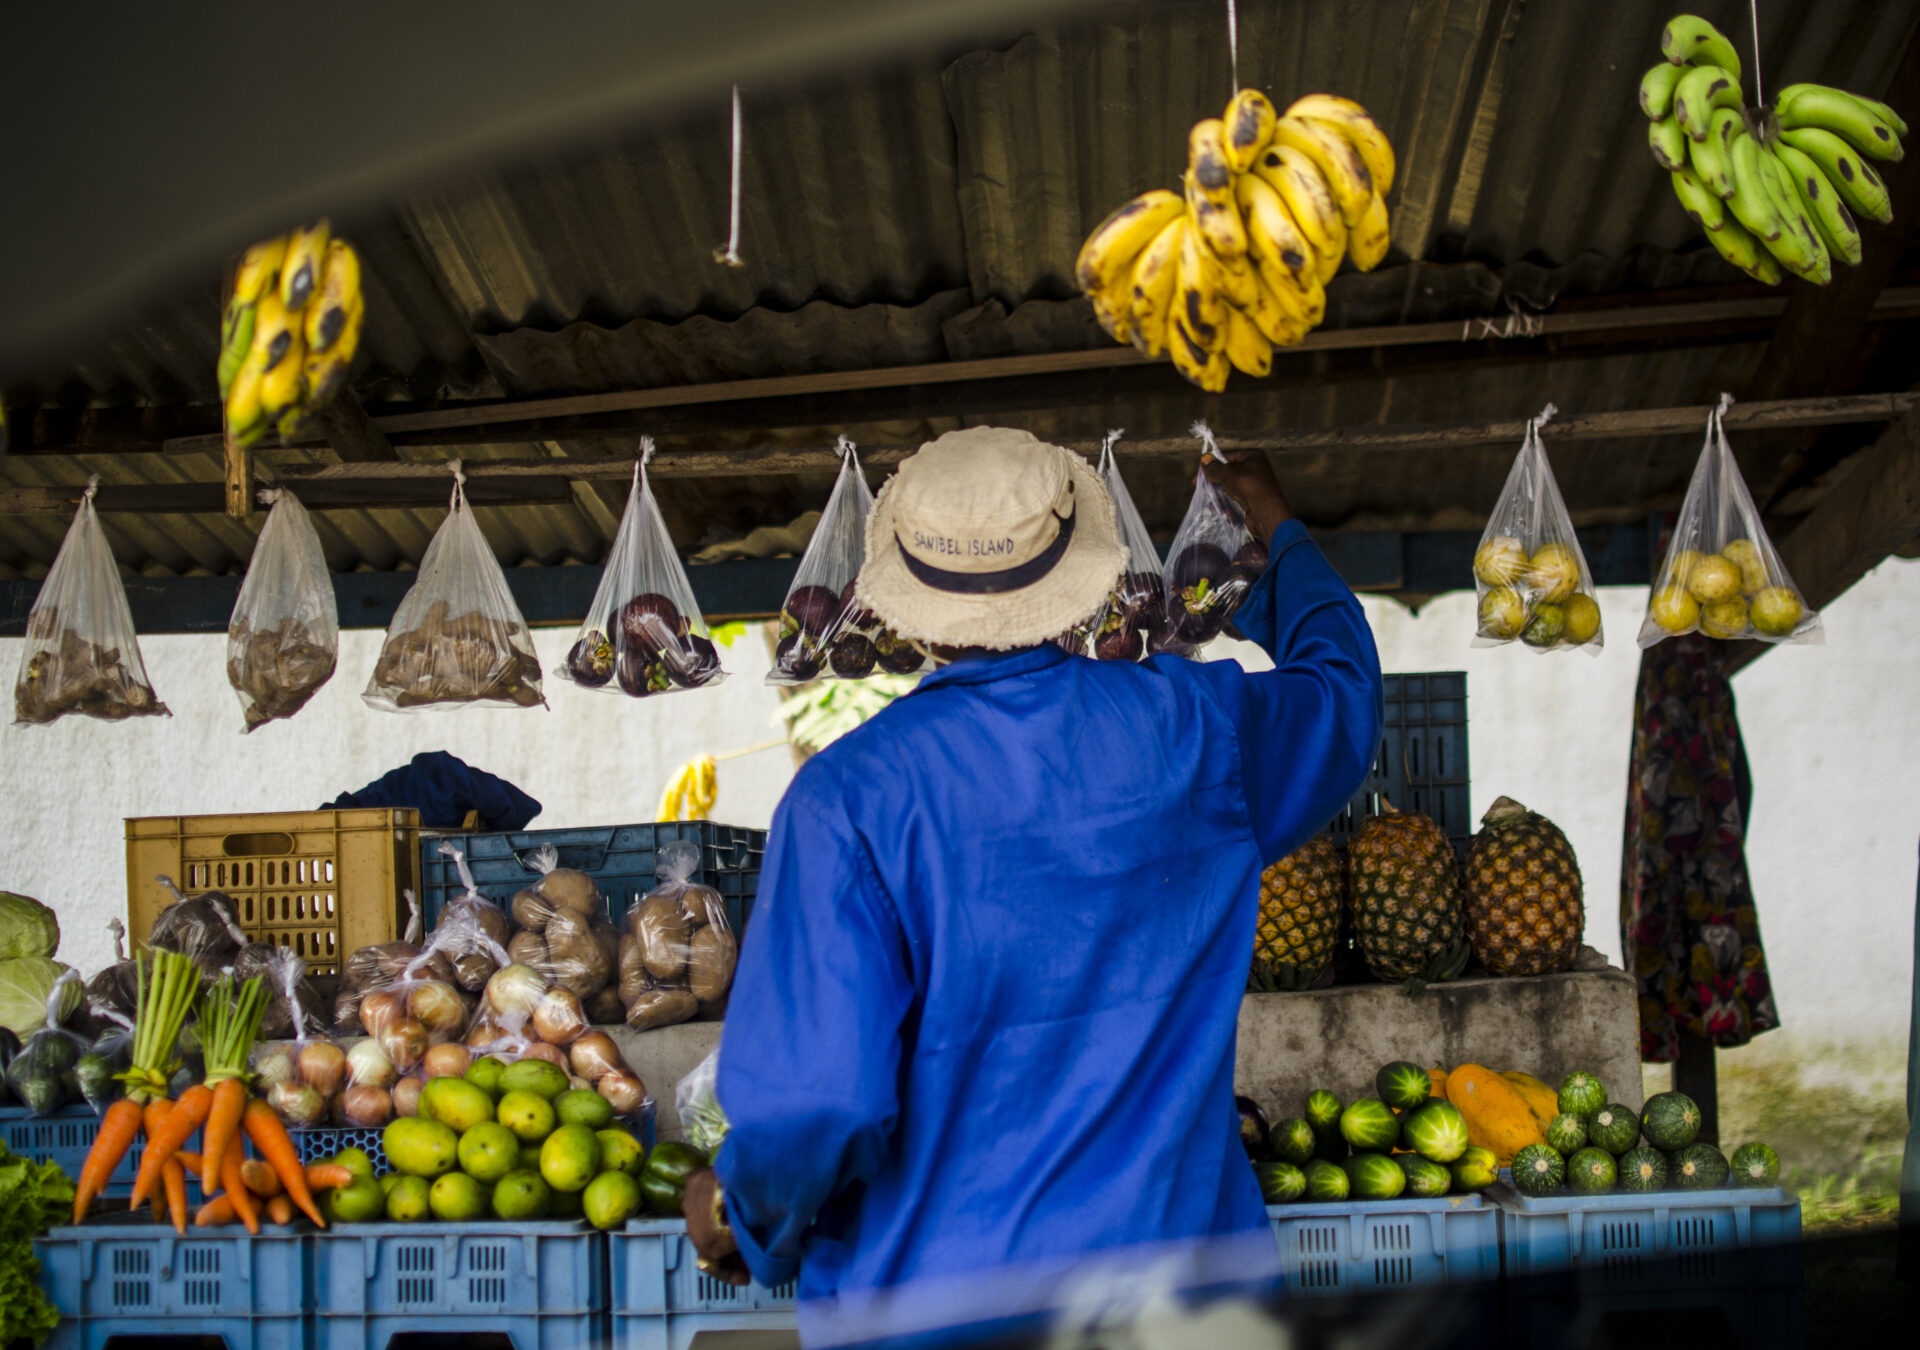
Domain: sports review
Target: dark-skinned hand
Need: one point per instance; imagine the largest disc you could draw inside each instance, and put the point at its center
(708, 1230)
(1248, 478)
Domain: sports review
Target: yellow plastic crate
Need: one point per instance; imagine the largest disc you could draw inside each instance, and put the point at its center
(324, 883)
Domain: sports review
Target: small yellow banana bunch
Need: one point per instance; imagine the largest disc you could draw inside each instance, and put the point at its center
(290, 331)
(1220, 274)
(691, 794)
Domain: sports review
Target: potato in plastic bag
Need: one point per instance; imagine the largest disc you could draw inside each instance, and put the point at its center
(81, 655)
(679, 955)
(1211, 565)
(457, 637)
(284, 637)
(1721, 575)
(643, 634)
(1529, 569)
(1133, 622)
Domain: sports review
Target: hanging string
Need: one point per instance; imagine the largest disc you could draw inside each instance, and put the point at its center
(459, 482)
(843, 448)
(1208, 449)
(1233, 45)
(730, 255)
(93, 486)
(1546, 415)
(1106, 447)
(1759, 91)
(268, 496)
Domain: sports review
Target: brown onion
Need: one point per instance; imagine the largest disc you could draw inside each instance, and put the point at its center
(514, 990)
(406, 1096)
(368, 1063)
(553, 1054)
(449, 1059)
(366, 1107)
(274, 1066)
(576, 1083)
(624, 1091)
(297, 1104)
(380, 1010)
(595, 1055)
(439, 1008)
(323, 1067)
(405, 1042)
(558, 1018)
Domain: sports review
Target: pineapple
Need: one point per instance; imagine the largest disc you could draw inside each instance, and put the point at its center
(1524, 912)
(1404, 886)
(1300, 901)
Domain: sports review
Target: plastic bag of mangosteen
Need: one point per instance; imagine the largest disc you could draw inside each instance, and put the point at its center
(824, 629)
(643, 634)
(1211, 566)
(1134, 617)
(458, 636)
(1529, 571)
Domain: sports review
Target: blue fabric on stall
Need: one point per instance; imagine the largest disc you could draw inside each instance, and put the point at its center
(443, 789)
(985, 1018)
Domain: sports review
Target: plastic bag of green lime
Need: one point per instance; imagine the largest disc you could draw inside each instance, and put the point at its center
(702, 1120)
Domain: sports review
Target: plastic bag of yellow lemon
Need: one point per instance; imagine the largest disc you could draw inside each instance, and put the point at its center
(1721, 575)
(1532, 578)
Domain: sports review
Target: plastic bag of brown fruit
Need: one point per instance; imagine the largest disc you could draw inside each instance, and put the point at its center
(565, 936)
(643, 634)
(678, 954)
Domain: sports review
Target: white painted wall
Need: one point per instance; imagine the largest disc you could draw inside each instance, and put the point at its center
(1832, 733)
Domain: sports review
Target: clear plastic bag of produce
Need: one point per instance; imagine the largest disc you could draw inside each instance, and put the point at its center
(824, 629)
(378, 965)
(643, 634)
(1721, 575)
(473, 962)
(43, 1075)
(702, 1119)
(457, 637)
(284, 636)
(678, 954)
(1133, 622)
(1211, 565)
(294, 1008)
(1529, 570)
(303, 1080)
(423, 1006)
(565, 933)
(111, 1054)
(203, 927)
(80, 654)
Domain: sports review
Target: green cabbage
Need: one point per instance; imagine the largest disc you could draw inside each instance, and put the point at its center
(27, 927)
(25, 983)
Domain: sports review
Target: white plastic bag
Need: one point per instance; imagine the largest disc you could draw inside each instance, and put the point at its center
(1529, 570)
(284, 637)
(1211, 565)
(824, 629)
(1133, 621)
(1721, 575)
(81, 656)
(643, 634)
(457, 637)
(703, 1121)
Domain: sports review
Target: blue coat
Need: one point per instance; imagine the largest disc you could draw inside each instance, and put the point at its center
(985, 1015)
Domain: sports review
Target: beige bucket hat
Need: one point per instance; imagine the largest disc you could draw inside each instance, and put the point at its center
(990, 537)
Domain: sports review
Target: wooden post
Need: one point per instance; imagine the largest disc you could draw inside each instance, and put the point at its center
(238, 462)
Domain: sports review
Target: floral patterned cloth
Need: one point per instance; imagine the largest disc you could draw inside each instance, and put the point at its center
(1687, 919)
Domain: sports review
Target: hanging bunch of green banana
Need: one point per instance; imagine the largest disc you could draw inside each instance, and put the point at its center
(1218, 275)
(1773, 187)
(290, 332)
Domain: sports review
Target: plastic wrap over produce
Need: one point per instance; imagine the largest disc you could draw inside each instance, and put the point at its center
(643, 634)
(1133, 622)
(678, 954)
(457, 637)
(1531, 574)
(284, 637)
(1211, 565)
(80, 654)
(566, 936)
(1722, 576)
(43, 1073)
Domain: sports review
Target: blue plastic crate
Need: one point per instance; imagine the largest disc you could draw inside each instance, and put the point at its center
(1422, 765)
(1364, 1246)
(655, 1271)
(622, 860)
(479, 1271)
(123, 1275)
(1666, 1240)
(319, 1145)
(66, 1137)
(676, 1331)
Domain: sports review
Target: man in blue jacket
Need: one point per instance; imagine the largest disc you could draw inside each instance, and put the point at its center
(981, 1041)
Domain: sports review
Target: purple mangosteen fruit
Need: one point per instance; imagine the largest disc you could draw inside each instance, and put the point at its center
(797, 657)
(640, 670)
(811, 610)
(693, 662)
(1120, 644)
(896, 654)
(590, 661)
(853, 656)
(652, 619)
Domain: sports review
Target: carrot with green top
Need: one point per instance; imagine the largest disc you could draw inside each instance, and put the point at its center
(188, 1114)
(174, 1178)
(230, 1026)
(269, 1136)
(236, 1190)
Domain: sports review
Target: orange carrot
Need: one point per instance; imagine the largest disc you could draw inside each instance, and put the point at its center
(159, 1203)
(174, 1178)
(280, 1209)
(118, 1129)
(223, 1127)
(262, 1180)
(215, 1212)
(190, 1161)
(269, 1136)
(188, 1115)
(328, 1176)
(236, 1191)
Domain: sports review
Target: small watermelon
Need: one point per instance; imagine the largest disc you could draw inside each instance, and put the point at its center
(1615, 1128)
(1591, 1172)
(1437, 1132)
(1403, 1086)
(1670, 1121)
(1291, 1141)
(1280, 1183)
(1537, 1169)
(1425, 1179)
(1697, 1167)
(1375, 1176)
(1326, 1181)
(1253, 1127)
(1475, 1170)
(1329, 1145)
(1567, 1134)
(1755, 1165)
(1642, 1169)
(1323, 1109)
(1369, 1125)
(1581, 1094)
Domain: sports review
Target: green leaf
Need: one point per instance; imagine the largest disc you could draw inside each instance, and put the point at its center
(726, 633)
(822, 713)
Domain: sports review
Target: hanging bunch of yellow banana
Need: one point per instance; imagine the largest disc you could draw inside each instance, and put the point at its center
(1218, 275)
(290, 331)
(691, 794)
